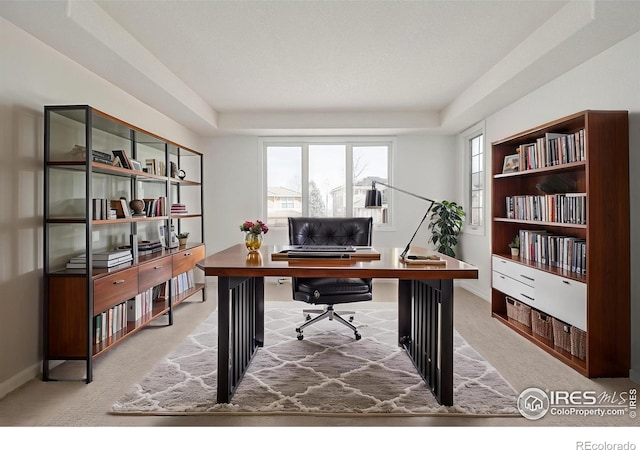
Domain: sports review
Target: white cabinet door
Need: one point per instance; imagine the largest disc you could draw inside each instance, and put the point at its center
(562, 298)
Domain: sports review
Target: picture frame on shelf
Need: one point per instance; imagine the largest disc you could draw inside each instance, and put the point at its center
(124, 159)
(136, 165)
(151, 166)
(167, 236)
(511, 163)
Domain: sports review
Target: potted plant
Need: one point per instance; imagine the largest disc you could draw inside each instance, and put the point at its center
(445, 224)
(182, 237)
(515, 245)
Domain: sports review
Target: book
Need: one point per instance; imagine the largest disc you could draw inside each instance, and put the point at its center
(428, 260)
(112, 263)
(178, 208)
(121, 208)
(149, 245)
(80, 262)
(112, 254)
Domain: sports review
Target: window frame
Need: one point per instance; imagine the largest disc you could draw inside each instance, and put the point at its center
(349, 143)
(465, 139)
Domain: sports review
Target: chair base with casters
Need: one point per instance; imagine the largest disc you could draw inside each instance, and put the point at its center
(330, 292)
(328, 313)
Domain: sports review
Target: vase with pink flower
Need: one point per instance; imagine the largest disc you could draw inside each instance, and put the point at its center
(254, 234)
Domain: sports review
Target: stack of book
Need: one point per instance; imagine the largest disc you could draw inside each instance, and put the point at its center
(178, 208)
(79, 153)
(102, 260)
(149, 247)
(102, 157)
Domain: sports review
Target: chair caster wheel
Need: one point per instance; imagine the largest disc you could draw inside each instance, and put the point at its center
(350, 318)
(308, 317)
(358, 337)
(300, 337)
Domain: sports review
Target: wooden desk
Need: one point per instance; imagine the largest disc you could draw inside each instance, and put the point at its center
(425, 308)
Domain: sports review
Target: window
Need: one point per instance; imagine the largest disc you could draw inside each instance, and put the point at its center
(322, 178)
(473, 151)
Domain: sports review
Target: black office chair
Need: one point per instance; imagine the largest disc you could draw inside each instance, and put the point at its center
(330, 291)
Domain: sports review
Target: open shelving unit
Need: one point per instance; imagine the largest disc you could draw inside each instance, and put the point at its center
(590, 293)
(90, 310)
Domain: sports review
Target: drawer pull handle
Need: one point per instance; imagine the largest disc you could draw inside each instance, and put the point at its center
(158, 267)
(187, 254)
(566, 282)
(527, 278)
(526, 296)
(118, 282)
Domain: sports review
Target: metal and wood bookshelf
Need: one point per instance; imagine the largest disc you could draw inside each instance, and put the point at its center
(90, 310)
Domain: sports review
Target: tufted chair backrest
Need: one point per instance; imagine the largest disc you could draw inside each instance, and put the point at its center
(330, 230)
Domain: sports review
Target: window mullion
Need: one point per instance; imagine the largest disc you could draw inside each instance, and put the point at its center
(305, 180)
(348, 187)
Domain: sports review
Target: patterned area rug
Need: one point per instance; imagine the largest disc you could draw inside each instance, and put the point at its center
(328, 372)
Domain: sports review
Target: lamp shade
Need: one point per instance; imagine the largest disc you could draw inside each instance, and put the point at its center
(373, 199)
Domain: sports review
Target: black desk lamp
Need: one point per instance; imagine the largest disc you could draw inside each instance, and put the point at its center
(374, 200)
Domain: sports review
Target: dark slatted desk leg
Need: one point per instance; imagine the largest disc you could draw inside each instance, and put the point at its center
(240, 330)
(224, 307)
(259, 311)
(425, 330)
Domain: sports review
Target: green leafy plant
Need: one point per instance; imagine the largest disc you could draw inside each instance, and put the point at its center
(183, 235)
(445, 224)
(515, 243)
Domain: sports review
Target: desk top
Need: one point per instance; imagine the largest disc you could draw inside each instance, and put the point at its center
(237, 262)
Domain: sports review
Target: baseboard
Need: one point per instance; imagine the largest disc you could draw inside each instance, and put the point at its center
(19, 379)
(473, 289)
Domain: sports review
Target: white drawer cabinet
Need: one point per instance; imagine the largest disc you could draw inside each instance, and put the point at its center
(562, 298)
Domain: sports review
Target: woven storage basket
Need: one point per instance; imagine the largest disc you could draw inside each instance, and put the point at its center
(578, 343)
(518, 312)
(561, 335)
(542, 326)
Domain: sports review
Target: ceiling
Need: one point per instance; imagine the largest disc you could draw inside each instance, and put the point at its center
(323, 66)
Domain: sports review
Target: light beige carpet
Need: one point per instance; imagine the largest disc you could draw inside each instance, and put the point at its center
(328, 372)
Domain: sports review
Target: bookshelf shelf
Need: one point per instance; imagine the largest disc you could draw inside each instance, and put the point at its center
(559, 271)
(97, 292)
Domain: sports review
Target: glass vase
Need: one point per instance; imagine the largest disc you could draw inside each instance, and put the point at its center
(253, 241)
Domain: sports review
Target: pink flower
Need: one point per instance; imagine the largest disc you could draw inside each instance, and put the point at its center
(256, 227)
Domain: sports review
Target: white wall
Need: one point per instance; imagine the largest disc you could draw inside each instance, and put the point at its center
(33, 75)
(425, 165)
(608, 81)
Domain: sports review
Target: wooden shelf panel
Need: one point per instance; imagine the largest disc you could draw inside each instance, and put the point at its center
(188, 293)
(545, 268)
(159, 309)
(540, 223)
(567, 167)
